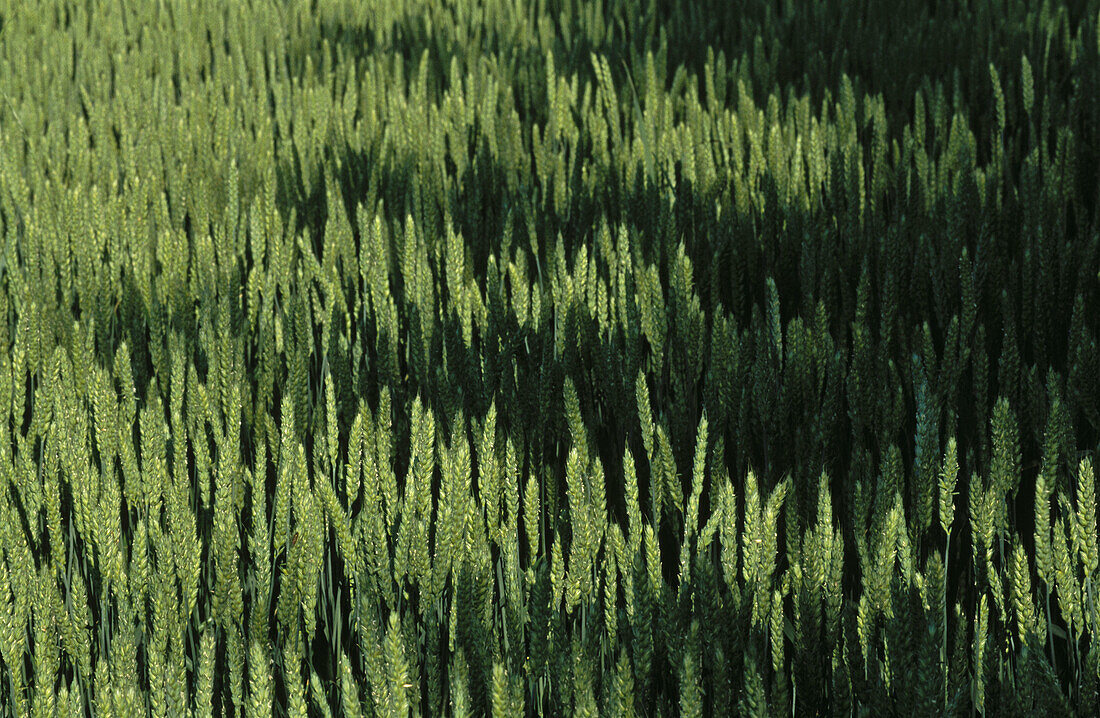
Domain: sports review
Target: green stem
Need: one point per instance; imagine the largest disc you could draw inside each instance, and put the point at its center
(1050, 633)
(943, 643)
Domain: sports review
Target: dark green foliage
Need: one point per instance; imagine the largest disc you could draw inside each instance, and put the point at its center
(556, 357)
